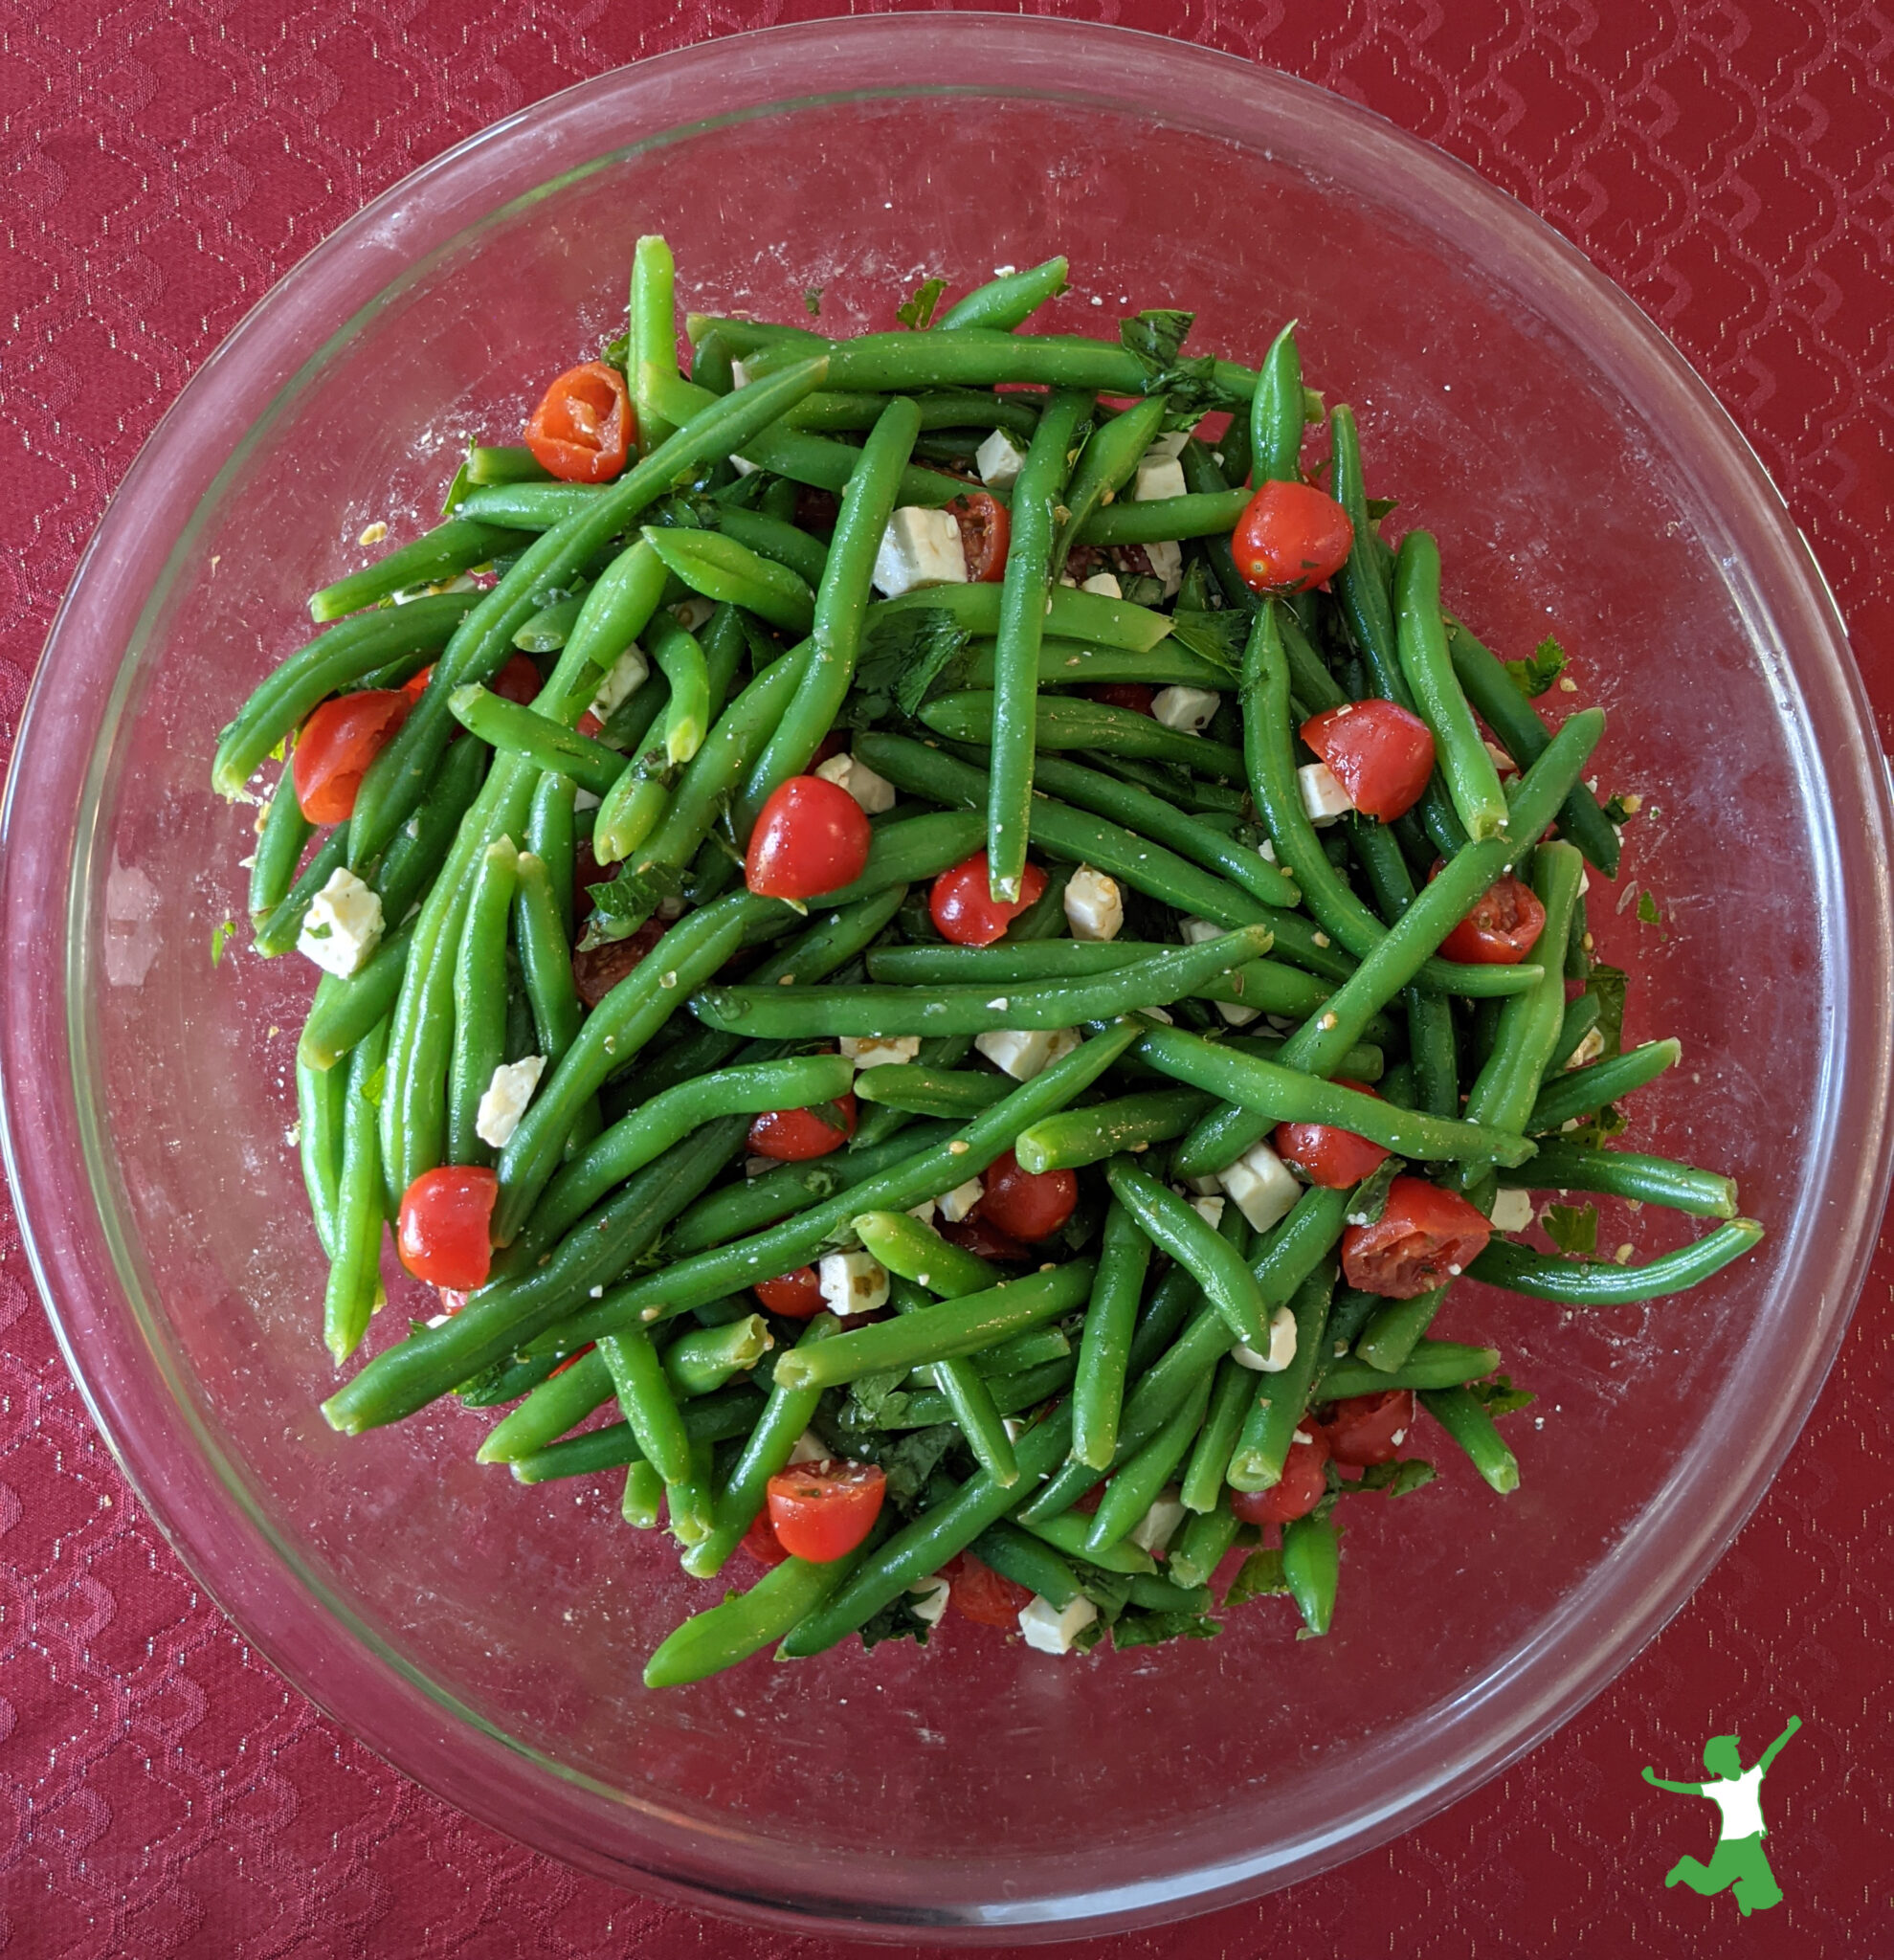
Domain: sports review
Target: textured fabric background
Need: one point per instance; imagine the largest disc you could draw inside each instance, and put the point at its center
(165, 1793)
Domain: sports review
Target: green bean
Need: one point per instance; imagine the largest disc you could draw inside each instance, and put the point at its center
(354, 1281)
(1105, 465)
(1462, 1413)
(917, 1252)
(479, 999)
(545, 959)
(1563, 1166)
(653, 334)
(1174, 1299)
(1390, 1337)
(553, 1409)
(1468, 770)
(711, 363)
(1201, 1487)
(1027, 1561)
(1030, 1351)
(280, 836)
(1070, 614)
(1104, 1346)
(718, 565)
(277, 933)
(1276, 413)
(1007, 299)
(1312, 1564)
(1181, 1231)
(1430, 1364)
(1157, 518)
(644, 1495)
(1208, 1537)
(680, 658)
(1070, 1532)
(503, 463)
(644, 1394)
(1581, 1016)
(421, 847)
(1077, 1137)
(441, 553)
(344, 1011)
(1063, 663)
(961, 408)
(929, 1091)
(963, 1382)
(320, 1103)
(1136, 1486)
(772, 538)
(547, 631)
(1281, 1398)
(709, 1418)
(1063, 722)
(1523, 736)
(1581, 1282)
(518, 730)
(703, 1359)
(1362, 584)
(1581, 1092)
(1029, 1388)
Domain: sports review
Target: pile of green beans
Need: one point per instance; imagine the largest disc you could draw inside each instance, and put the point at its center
(705, 632)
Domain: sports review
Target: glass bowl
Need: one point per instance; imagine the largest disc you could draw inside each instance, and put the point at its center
(487, 1637)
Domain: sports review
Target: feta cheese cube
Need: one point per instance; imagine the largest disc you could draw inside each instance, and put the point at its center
(1170, 445)
(852, 1283)
(962, 1199)
(875, 794)
(1209, 1210)
(742, 466)
(1590, 1049)
(927, 1598)
(1322, 798)
(998, 459)
(1156, 1528)
(1512, 1211)
(1094, 905)
(1051, 1632)
(1186, 708)
(920, 547)
(923, 1211)
(1263, 1187)
(1201, 1187)
(504, 1101)
(1196, 930)
(1266, 851)
(626, 676)
(1025, 1051)
(1105, 584)
(692, 612)
(809, 1448)
(1282, 1346)
(1157, 476)
(1166, 562)
(343, 925)
(738, 375)
(879, 1050)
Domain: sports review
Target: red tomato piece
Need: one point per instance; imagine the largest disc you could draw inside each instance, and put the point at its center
(583, 429)
(453, 1298)
(1132, 695)
(1298, 1490)
(811, 836)
(1368, 1429)
(1381, 754)
(444, 1218)
(1291, 537)
(1502, 928)
(761, 1542)
(1025, 1204)
(336, 746)
(599, 968)
(795, 1296)
(822, 1511)
(586, 872)
(1327, 1156)
(979, 1593)
(984, 1239)
(815, 510)
(518, 681)
(1424, 1238)
(985, 531)
(417, 683)
(572, 1360)
(964, 907)
(793, 1136)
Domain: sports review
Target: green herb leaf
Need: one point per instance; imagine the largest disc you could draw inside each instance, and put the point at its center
(907, 657)
(1607, 985)
(1140, 1629)
(1215, 636)
(897, 1620)
(917, 313)
(1647, 910)
(627, 901)
(1605, 1123)
(1156, 336)
(1533, 677)
(1395, 1478)
(373, 1085)
(1371, 1194)
(1108, 1592)
(1188, 381)
(1379, 507)
(1259, 1575)
(812, 302)
(1574, 1229)
(1615, 813)
(1498, 1395)
(220, 937)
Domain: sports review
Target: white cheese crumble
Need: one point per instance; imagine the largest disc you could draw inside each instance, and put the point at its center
(505, 1099)
(1282, 1346)
(998, 459)
(962, 1199)
(875, 794)
(1094, 905)
(627, 672)
(1024, 1052)
(342, 925)
(1322, 798)
(927, 1598)
(852, 1283)
(879, 1050)
(1263, 1186)
(1166, 562)
(1512, 1211)
(1156, 1528)
(1051, 1632)
(1158, 477)
(920, 547)
(1105, 584)
(1188, 709)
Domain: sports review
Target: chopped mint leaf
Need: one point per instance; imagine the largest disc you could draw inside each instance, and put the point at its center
(1109, 1592)
(897, 1620)
(1371, 1194)
(1533, 677)
(1603, 1124)
(1156, 335)
(1259, 1575)
(1379, 507)
(1215, 636)
(1619, 809)
(376, 1081)
(908, 655)
(614, 353)
(1574, 1229)
(812, 302)
(627, 901)
(1395, 1479)
(1607, 985)
(1647, 910)
(1499, 1397)
(1149, 1629)
(917, 313)
(220, 937)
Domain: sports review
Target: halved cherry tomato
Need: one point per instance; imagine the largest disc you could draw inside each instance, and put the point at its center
(822, 1511)
(1026, 1204)
(811, 836)
(796, 1295)
(1133, 695)
(598, 970)
(336, 746)
(1291, 537)
(985, 530)
(759, 1541)
(1368, 1429)
(1380, 753)
(979, 1593)
(1327, 1156)
(1424, 1238)
(793, 1136)
(444, 1217)
(1299, 1488)
(964, 907)
(417, 683)
(583, 429)
(1502, 928)
(518, 681)
(984, 1239)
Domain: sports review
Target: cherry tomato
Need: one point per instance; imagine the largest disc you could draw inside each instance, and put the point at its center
(453, 1298)
(822, 1511)
(336, 746)
(1423, 1239)
(417, 683)
(761, 1542)
(1502, 928)
(444, 1218)
(811, 836)
(599, 968)
(1368, 1429)
(1380, 754)
(1299, 1488)
(1327, 1156)
(964, 909)
(1133, 695)
(583, 429)
(1025, 1204)
(985, 530)
(572, 1360)
(1290, 538)
(518, 681)
(979, 1593)
(795, 1296)
(984, 1239)
(793, 1136)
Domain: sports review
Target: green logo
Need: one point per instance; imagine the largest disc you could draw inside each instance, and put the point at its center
(1737, 1863)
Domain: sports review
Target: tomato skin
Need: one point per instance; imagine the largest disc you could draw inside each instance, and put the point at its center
(1423, 1239)
(983, 1238)
(1024, 1204)
(1379, 752)
(1330, 1158)
(979, 1593)
(1368, 1429)
(583, 429)
(599, 968)
(1298, 1490)
(761, 1542)
(822, 1511)
(1290, 538)
(811, 836)
(985, 531)
(964, 908)
(793, 1136)
(518, 681)
(1502, 928)
(444, 1229)
(336, 746)
(453, 1297)
(1131, 695)
(796, 1295)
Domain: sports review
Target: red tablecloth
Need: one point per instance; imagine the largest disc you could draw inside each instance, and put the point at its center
(165, 1794)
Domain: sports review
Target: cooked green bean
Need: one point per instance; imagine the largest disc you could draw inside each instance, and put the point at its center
(279, 932)
(1178, 1229)
(1063, 663)
(699, 1361)
(1431, 1364)
(1135, 1486)
(1281, 1398)
(1070, 614)
(1582, 1283)
(929, 1091)
(1582, 1092)
(806, 556)
(1207, 516)
(479, 999)
(1077, 1137)
(1027, 1561)
(1462, 1413)
(280, 836)
(1105, 465)
(441, 553)
(1276, 413)
(518, 730)
(354, 1287)
(320, 1104)
(917, 1252)
(654, 335)
(1311, 1564)
(710, 1418)
(1208, 1536)
(716, 565)
(638, 1379)
(344, 1011)
(1064, 721)
(963, 1382)
(553, 1409)
(1235, 1391)
(1007, 299)
(1581, 1016)
(1104, 1346)
(1563, 1166)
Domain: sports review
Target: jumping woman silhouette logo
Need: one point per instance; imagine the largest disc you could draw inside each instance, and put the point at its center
(1738, 1860)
